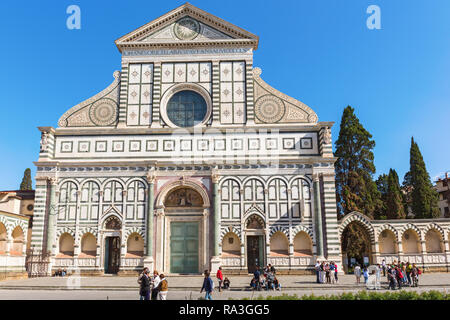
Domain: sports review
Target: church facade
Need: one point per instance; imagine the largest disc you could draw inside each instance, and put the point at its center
(187, 161)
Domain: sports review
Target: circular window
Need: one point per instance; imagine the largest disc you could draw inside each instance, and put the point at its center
(186, 108)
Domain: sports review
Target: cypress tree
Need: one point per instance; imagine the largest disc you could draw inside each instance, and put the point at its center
(26, 183)
(394, 198)
(424, 199)
(355, 189)
(382, 186)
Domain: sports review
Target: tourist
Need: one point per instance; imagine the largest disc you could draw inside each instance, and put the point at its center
(270, 281)
(383, 265)
(327, 272)
(357, 272)
(392, 278)
(155, 283)
(219, 276)
(399, 276)
(144, 289)
(64, 272)
(226, 283)
(163, 287)
(415, 271)
(335, 272)
(408, 272)
(272, 269)
(365, 274)
(208, 286)
(322, 272)
(276, 284)
(317, 267)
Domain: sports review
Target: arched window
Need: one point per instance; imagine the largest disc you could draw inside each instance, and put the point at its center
(433, 241)
(410, 242)
(254, 194)
(230, 199)
(231, 245)
(88, 246)
(113, 195)
(68, 197)
(135, 245)
(136, 201)
(186, 108)
(66, 243)
(278, 199)
(279, 244)
(302, 244)
(387, 242)
(18, 241)
(90, 196)
(3, 235)
(301, 198)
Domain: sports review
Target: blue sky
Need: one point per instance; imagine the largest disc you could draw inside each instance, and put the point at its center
(320, 52)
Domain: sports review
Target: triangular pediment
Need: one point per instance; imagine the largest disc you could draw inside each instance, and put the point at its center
(189, 26)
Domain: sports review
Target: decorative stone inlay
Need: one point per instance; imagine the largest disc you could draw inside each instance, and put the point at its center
(269, 109)
(186, 29)
(103, 112)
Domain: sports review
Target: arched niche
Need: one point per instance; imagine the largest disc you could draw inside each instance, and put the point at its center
(183, 197)
(411, 242)
(302, 244)
(231, 246)
(387, 242)
(66, 245)
(135, 245)
(433, 241)
(3, 237)
(88, 246)
(279, 244)
(18, 241)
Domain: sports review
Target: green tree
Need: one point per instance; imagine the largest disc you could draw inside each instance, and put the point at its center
(382, 186)
(27, 183)
(394, 202)
(424, 199)
(355, 189)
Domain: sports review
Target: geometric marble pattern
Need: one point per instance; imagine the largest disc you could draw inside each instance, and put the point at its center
(232, 92)
(140, 93)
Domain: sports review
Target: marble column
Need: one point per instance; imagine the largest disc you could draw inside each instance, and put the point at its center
(148, 260)
(318, 217)
(215, 261)
(52, 212)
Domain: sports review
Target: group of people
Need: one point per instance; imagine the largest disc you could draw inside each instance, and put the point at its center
(267, 280)
(402, 274)
(398, 274)
(60, 273)
(152, 287)
(326, 272)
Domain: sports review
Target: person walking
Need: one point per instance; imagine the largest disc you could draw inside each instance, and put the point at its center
(207, 286)
(155, 283)
(219, 276)
(365, 274)
(408, 272)
(163, 287)
(144, 288)
(383, 265)
(357, 272)
(327, 273)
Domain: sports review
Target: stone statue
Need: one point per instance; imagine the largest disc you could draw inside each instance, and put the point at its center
(44, 141)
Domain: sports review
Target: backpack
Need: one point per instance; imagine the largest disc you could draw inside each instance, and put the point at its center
(419, 271)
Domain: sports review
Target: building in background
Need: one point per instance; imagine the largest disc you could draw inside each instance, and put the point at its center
(16, 213)
(443, 188)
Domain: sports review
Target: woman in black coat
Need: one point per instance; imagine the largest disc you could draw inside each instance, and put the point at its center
(144, 290)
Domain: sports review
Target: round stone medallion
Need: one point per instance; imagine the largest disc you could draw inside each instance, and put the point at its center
(186, 28)
(269, 109)
(103, 112)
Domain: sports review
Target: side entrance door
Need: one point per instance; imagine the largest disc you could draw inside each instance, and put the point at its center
(255, 253)
(184, 247)
(112, 255)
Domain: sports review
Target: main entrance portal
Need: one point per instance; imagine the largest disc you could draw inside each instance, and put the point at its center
(112, 254)
(184, 247)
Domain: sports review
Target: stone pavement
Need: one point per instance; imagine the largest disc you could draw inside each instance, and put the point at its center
(194, 283)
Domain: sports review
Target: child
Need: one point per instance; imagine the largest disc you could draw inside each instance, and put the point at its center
(226, 283)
